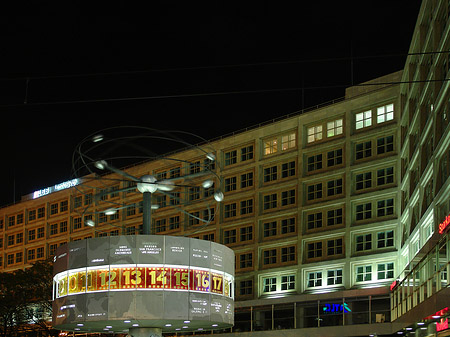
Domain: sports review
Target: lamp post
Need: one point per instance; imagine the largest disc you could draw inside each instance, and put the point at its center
(147, 186)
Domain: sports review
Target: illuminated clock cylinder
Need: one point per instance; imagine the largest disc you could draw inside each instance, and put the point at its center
(118, 283)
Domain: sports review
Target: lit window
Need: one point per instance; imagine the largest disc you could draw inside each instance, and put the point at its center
(334, 128)
(314, 133)
(385, 113)
(270, 146)
(363, 119)
(288, 142)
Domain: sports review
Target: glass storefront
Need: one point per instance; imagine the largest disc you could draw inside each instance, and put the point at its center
(311, 314)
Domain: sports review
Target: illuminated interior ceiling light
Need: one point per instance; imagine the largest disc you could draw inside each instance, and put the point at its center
(420, 323)
(168, 324)
(147, 184)
(178, 329)
(200, 329)
(187, 322)
(155, 206)
(80, 324)
(185, 327)
(101, 164)
(211, 156)
(135, 324)
(90, 223)
(207, 183)
(127, 321)
(97, 138)
(436, 316)
(218, 196)
(215, 325)
(110, 211)
(408, 329)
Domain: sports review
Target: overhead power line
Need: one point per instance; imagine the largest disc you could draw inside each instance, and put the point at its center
(225, 66)
(219, 93)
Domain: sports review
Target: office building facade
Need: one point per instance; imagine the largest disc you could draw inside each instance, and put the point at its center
(328, 211)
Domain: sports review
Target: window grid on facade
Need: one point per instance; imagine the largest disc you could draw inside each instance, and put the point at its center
(270, 146)
(245, 260)
(314, 133)
(363, 150)
(335, 128)
(363, 273)
(385, 113)
(245, 287)
(230, 158)
(363, 242)
(334, 277)
(363, 119)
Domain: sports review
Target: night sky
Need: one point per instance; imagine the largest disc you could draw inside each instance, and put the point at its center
(70, 70)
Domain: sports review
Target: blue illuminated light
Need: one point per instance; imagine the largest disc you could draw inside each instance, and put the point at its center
(336, 307)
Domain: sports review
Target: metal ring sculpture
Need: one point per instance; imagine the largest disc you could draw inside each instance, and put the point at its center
(107, 151)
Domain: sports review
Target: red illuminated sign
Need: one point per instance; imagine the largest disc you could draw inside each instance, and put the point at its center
(442, 325)
(393, 285)
(444, 224)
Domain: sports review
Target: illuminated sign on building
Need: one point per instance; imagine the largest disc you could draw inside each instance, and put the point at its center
(442, 325)
(444, 224)
(55, 188)
(393, 285)
(336, 307)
